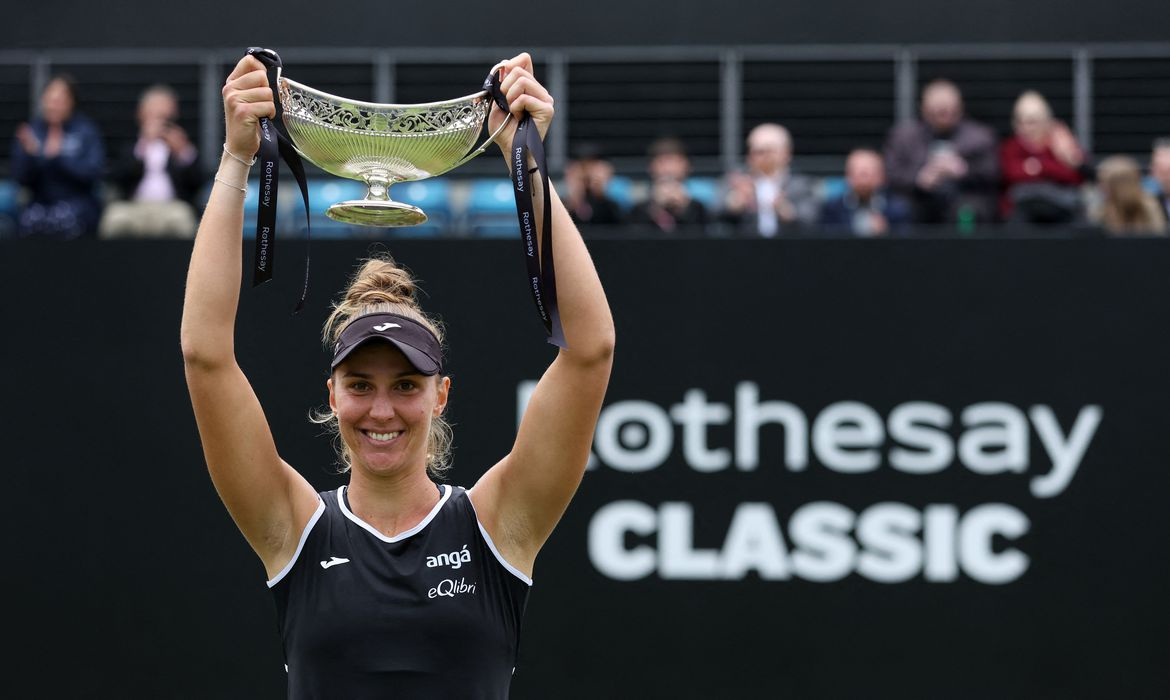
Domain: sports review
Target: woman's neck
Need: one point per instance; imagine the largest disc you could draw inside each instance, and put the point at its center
(393, 503)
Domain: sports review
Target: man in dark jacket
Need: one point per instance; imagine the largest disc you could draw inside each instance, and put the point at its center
(944, 163)
(670, 208)
(866, 208)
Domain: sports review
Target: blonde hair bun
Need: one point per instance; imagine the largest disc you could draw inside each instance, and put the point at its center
(379, 285)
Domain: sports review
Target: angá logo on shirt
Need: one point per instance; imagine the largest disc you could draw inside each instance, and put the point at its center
(454, 559)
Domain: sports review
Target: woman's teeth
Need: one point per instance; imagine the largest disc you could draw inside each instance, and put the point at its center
(383, 437)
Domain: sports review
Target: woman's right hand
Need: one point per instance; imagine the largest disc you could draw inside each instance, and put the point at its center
(246, 98)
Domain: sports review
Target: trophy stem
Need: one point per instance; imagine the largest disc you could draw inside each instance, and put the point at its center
(378, 187)
(377, 209)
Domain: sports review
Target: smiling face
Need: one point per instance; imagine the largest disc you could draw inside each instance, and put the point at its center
(384, 409)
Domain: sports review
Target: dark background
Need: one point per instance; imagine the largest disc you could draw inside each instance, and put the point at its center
(219, 23)
(125, 577)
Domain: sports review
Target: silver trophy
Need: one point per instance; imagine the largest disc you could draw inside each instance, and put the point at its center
(381, 144)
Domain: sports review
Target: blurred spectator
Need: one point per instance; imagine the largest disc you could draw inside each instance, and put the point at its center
(59, 158)
(944, 163)
(587, 178)
(1160, 171)
(769, 199)
(159, 175)
(1042, 166)
(867, 208)
(670, 207)
(1125, 207)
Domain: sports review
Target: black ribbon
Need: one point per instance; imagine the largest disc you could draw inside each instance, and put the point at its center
(275, 142)
(542, 281)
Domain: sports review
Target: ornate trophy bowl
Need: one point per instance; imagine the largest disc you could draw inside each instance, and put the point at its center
(381, 144)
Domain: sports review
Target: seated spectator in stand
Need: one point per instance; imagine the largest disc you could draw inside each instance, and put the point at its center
(59, 158)
(670, 207)
(159, 175)
(587, 177)
(944, 164)
(1160, 171)
(769, 199)
(1041, 165)
(867, 208)
(1125, 207)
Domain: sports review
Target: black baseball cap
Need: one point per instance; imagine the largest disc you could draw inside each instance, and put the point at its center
(416, 341)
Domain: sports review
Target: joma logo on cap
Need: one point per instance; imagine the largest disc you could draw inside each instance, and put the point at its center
(386, 326)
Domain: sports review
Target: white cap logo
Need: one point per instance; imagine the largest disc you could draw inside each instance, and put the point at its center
(383, 327)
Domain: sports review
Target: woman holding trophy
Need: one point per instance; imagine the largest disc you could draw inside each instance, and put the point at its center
(394, 585)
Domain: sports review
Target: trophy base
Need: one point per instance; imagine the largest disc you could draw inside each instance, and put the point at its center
(365, 212)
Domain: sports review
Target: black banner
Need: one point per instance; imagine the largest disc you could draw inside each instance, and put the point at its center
(823, 469)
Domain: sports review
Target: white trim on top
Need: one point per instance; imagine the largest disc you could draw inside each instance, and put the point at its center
(402, 535)
(300, 545)
(492, 546)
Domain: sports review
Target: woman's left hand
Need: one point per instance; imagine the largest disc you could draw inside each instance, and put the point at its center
(524, 94)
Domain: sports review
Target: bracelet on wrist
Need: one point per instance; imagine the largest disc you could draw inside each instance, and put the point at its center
(234, 187)
(233, 155)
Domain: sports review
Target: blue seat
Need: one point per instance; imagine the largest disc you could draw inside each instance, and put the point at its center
(252, 198)
(833, 187)
(9, 208)
(621, 190)
(323, 193)
(433, 196)
(704, 190)
(491, 209)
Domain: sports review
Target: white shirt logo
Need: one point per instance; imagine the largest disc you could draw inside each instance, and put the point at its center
(333, 561)
(386, 326)
(454, 559)
(449, 588)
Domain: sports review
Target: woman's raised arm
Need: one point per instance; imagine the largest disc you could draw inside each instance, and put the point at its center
(521, 499)
(268, 499)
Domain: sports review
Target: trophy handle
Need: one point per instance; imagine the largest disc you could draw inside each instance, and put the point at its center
(481, 148)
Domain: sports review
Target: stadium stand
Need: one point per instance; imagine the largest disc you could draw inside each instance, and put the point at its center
(833, 98)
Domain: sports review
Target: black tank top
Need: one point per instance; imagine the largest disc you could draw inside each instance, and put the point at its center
(433, 612)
